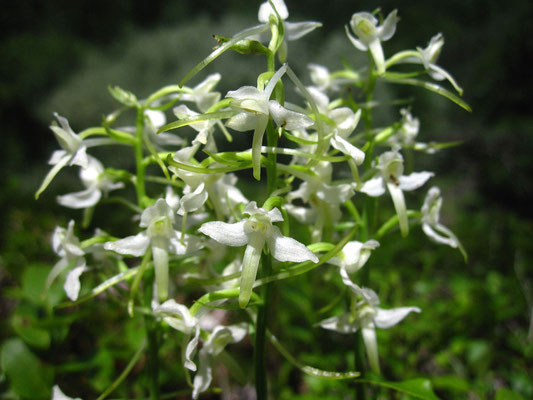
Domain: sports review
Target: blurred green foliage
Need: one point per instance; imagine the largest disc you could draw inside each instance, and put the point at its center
(474, 337)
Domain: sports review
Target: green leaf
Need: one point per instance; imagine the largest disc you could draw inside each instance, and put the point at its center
(429, 86)
(196, 118)
(32, 335)
(419, 388)
(28, 377)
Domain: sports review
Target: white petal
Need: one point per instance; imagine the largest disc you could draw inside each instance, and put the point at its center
(341, 324)
(246, 93)
(387, 29)
(72, 283)
(228, 234)
(284, 248)
(188, 348)
(415, 180)
(373, 187)
(177, 316)
(356, 42)
(335, 194)
(157, 118)
(436, 237)
(84, 199)
(265, 10)
(275, 215)
(224, 335)
(158, 210)
(204, 376)
(347, 148)
(193, 201)
(288, 119)
(242, 122)
(295, 30)
(345, 120)
(388, 318)
(57, 394)
(132, 245)
(302, 214)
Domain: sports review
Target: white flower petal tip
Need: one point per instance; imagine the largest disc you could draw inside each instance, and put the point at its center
(57, 394)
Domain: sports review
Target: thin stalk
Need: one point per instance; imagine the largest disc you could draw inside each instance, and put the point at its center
(139, 184)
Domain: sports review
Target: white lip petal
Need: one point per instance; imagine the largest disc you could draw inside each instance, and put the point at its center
(371, 345)
(399, 204)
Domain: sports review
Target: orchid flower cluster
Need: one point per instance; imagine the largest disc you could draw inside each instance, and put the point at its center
(312, 163)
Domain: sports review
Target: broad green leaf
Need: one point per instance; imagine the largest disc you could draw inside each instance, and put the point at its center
(28, 377)
(33, 335)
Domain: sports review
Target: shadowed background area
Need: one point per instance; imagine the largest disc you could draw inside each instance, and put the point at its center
(60, 56)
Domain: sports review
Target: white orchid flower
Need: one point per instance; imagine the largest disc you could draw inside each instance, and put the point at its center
(354, 255)
(369, 35)
(366, 316)
(155, 119)
(179, 317)
(57, 394)
(161, 237)
(390, 177)
(212, 347)
(73, 151)
(96, 183)
(220, 189)
(204, 128)
(431, 224)
(428, 57)
(68, 247)
(344, 122)
(255, 108)
(202, 94)
(293, 30)
(323, 197)
(255, 232)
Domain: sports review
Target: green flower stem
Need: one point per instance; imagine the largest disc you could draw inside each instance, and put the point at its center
(139, 184)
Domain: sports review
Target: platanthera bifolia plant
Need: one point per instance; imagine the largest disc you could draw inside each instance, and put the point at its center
(307, 186)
